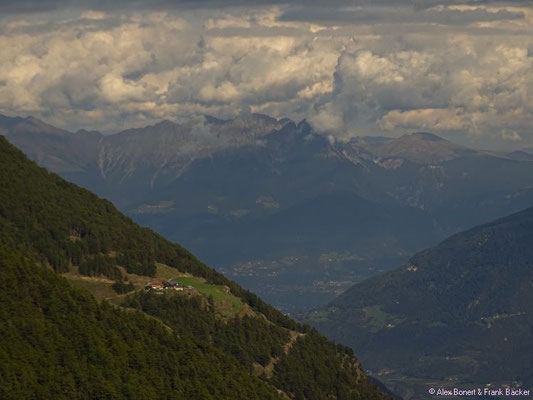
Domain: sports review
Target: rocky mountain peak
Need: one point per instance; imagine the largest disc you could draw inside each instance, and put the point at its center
(423, 136)
(417, 147)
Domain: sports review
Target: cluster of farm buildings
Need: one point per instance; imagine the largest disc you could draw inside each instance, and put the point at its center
(166, 285)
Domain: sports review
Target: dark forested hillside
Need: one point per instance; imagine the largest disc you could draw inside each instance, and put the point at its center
(57, 341)
(61, 224)
(459, 313)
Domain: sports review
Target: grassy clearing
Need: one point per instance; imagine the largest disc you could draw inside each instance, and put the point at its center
(100, 286)
(377, 318)
(163, 273)
(166, 273)
(226, 304)
(99, 289)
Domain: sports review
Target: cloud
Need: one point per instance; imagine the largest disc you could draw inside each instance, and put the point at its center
(425, 119)
(508, 134)
(459, 82)
(29, 6)
(401, 15)
(161, 65)
(350, 69)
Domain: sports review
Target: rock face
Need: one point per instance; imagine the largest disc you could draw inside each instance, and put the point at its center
(459, 313)
(418, 147)
(127, 165)
(228, 189)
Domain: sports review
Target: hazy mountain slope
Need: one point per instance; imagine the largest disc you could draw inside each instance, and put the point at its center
(463, 192)
(56, 149)
(227, 189)
(289, 206)
(126, 166)
(419, 147)
(333, 236)
(459, 313)
(58, 342)
(260, 212)
(521, 155)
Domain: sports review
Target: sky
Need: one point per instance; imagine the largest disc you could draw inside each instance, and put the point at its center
(461, 69)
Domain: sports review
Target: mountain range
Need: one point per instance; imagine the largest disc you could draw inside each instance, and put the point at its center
(294, 215)
(459, 314)
(82, 317)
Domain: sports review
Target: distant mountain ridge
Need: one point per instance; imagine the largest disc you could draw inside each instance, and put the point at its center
(225, 187)
(134, 161)
(134, 157)
(418, 147)
(459, 313)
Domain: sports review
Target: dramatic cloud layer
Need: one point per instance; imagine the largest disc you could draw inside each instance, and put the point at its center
(355, 68)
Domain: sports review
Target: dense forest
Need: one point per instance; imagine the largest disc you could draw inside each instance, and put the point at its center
(249, 339)
(57, 341)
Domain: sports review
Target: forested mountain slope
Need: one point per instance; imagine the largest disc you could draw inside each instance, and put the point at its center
(457, 313)
(57, 341)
